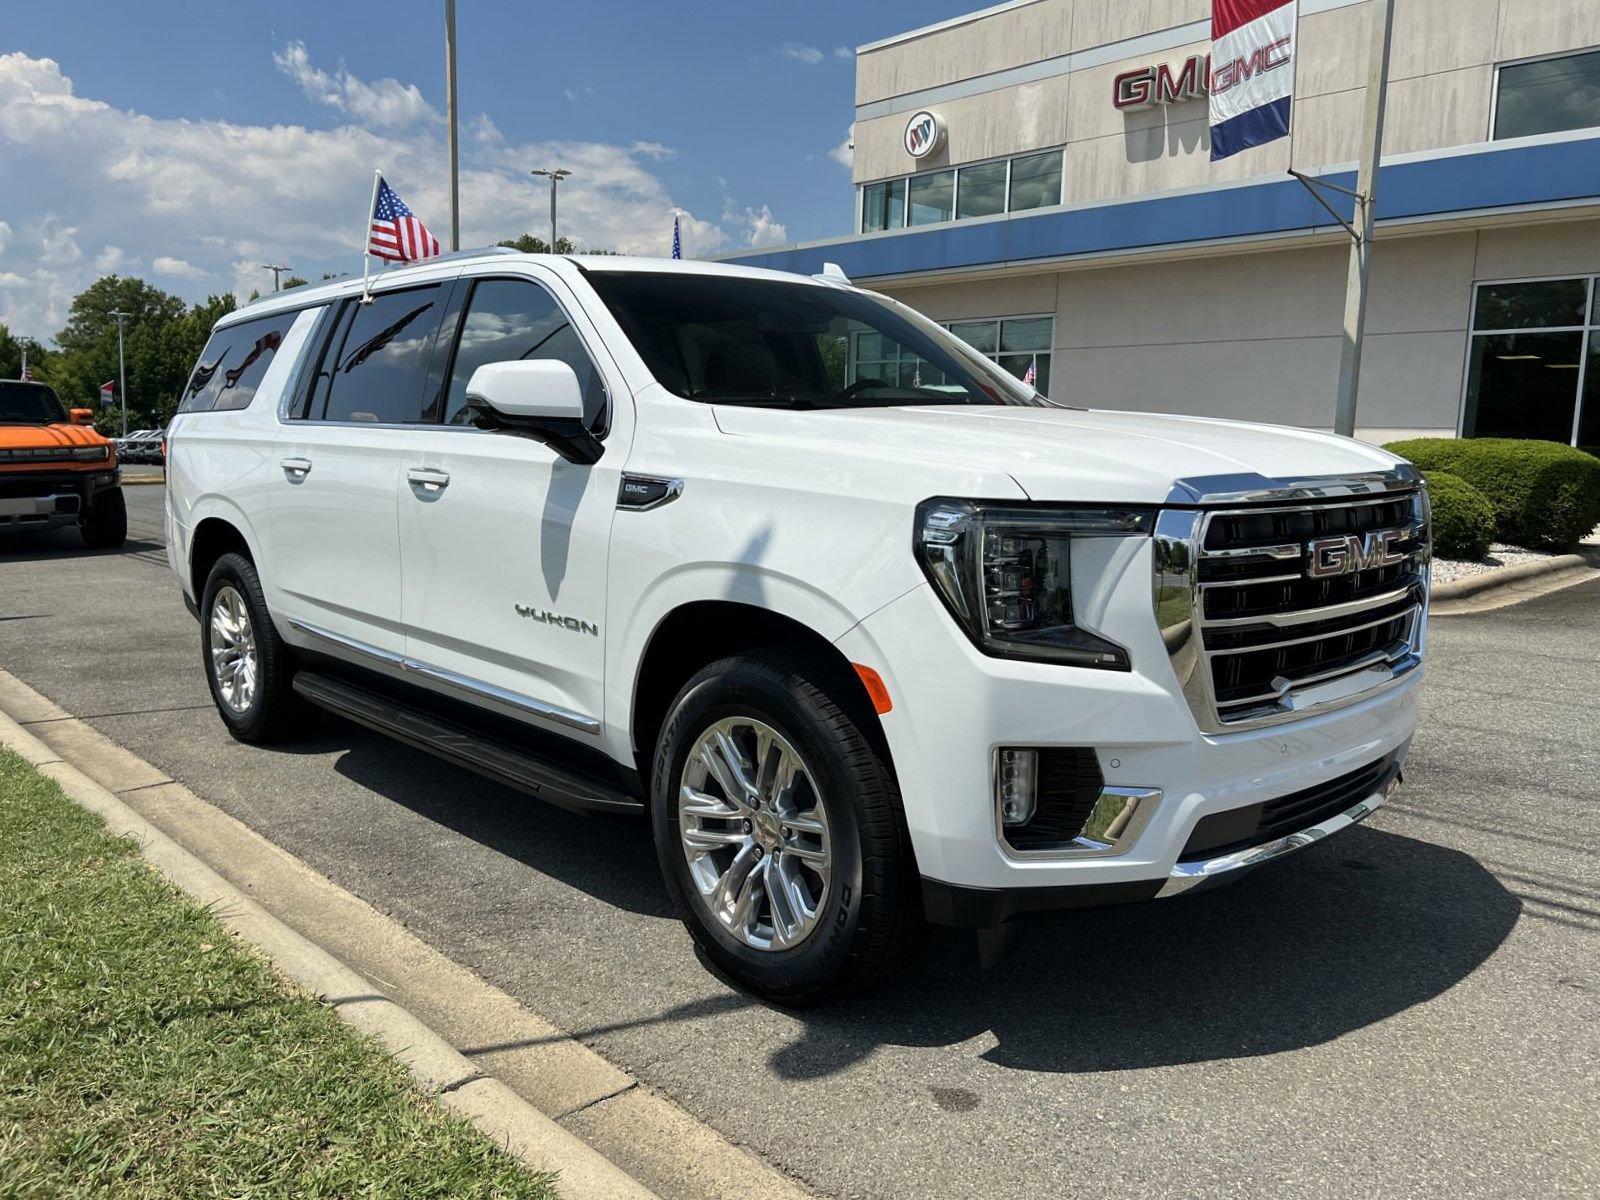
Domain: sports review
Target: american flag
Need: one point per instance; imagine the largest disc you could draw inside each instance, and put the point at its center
(677, 242)
(397, 235)
(1031, 375)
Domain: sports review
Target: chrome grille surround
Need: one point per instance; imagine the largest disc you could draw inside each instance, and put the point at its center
(1325, 650)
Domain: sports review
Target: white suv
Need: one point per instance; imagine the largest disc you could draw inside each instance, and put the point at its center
(870, 629)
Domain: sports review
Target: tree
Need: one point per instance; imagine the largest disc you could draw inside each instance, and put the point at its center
(294, 281)
(13, 348)
(527, 243)
(156, 364)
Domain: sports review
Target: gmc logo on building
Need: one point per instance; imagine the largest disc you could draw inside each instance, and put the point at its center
(1147, 87)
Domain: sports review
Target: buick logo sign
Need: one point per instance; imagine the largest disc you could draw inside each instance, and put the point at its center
(1331, 556)
(924, 133)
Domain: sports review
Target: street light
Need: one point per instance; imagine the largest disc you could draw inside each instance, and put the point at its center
(554, 176)
(122, 374)
(276, 271)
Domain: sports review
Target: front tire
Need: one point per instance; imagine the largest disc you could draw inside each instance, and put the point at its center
(248, 666)
(779, 830)
(105, 525)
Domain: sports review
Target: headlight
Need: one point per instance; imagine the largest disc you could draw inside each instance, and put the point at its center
(1005, 574)
(91, 453)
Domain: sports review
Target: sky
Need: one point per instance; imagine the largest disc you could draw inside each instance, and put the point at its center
(190, 142)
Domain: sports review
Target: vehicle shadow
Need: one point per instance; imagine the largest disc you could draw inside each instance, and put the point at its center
(1339, 937)
(65, 543)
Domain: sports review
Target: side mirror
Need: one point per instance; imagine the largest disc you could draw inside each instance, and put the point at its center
(539, 399)
(82, 416)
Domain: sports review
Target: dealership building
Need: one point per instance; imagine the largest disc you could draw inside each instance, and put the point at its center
(1037, 176)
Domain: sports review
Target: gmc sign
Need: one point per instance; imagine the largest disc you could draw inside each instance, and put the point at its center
(1146, 87)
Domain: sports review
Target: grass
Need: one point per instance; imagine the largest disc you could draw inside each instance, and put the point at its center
(144, 1052)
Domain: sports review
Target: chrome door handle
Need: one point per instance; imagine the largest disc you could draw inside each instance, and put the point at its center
(428, 479)
(296, 468)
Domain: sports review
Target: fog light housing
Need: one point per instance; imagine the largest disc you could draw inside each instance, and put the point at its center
(1016, 786)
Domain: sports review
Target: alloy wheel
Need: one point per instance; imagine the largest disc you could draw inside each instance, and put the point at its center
(234, 661)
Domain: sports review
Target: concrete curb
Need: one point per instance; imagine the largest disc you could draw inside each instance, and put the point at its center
(143, 480)
(584, 1174)
(1472, 585)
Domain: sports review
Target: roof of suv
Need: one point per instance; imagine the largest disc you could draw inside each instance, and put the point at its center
(302, 297)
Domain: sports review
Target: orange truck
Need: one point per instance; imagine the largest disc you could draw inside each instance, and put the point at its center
(55, 470)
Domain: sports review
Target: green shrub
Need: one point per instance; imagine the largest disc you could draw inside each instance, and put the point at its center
(1463, 518)
(1543, 493)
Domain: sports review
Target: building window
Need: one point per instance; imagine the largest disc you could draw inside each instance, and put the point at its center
(1036, 181)
(931, 198)
(1534, 365)
(1548, 96)
(985, 189)
(1017, 343)
(883, 205)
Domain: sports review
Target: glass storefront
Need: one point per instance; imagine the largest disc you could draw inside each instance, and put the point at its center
(983, 189)
(1533, 369)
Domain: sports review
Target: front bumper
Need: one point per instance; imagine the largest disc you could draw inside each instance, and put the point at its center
(954, 707)
(38, 500)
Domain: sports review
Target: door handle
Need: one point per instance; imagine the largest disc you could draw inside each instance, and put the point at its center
(428, 479)
(296, 468)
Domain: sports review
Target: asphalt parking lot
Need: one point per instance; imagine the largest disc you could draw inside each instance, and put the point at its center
(1412, 1009)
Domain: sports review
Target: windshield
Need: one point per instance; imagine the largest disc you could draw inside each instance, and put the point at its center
(29, 404)
(775, 344)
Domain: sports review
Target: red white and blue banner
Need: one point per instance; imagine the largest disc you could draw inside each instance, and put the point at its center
(1252, 73)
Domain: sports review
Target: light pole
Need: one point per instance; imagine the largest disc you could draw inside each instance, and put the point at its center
(450, 116)
(122, 374)
(555, 176)
(276, 271)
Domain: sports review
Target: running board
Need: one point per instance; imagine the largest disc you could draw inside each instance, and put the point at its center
(495, 759)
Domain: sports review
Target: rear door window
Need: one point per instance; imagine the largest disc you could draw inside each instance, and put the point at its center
(374, 369)
(233, 362)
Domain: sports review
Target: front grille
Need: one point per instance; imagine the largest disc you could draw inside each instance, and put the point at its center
(1267, 630)
(1256, 824)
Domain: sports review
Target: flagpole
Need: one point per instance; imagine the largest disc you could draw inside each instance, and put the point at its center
(366, 240)
(1355, 300)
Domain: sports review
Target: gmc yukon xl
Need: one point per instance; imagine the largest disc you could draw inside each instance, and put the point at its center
(871, 631)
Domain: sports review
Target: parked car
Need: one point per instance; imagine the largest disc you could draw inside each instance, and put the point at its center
(55, 470)
(143, 446)
(656, 537)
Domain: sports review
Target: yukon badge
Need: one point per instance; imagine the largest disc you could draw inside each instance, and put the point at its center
(549, 618)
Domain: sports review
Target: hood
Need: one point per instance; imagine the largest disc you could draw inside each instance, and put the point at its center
(1065, 454)
(32, 437)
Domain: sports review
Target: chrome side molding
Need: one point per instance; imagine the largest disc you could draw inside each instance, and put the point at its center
(473, 688)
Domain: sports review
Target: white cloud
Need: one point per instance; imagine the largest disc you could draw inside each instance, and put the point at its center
(845, 53)
(383, 103)
(85, 180)
(809, 55)
(653, 150)
(756, 225)
(111, 261)
(179, 268)
(845, 152)
(5, 236)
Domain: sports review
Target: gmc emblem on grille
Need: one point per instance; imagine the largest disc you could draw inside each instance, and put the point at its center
(1332, 556)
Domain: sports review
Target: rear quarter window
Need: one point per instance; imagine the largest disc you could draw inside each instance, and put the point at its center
(232, 364)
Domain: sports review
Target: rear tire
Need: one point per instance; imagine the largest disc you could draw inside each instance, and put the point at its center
(248, 666)
(833, 898)
(105, 525)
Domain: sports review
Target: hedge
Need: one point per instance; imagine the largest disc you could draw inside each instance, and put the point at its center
(1463, 518)
(1543, 493)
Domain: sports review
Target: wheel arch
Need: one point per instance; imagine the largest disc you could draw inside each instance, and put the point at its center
(213, 537)
(699, 632)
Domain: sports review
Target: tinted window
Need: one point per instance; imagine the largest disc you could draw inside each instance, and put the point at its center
(768, 343)
(509, 319)
(983, 190)
(233, 362)
(1523, 385)
(29, 404)
(932, 198)
(1549, 96)
(377, 372)
(1036, 181)
(1544, 304)
(883, 205)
